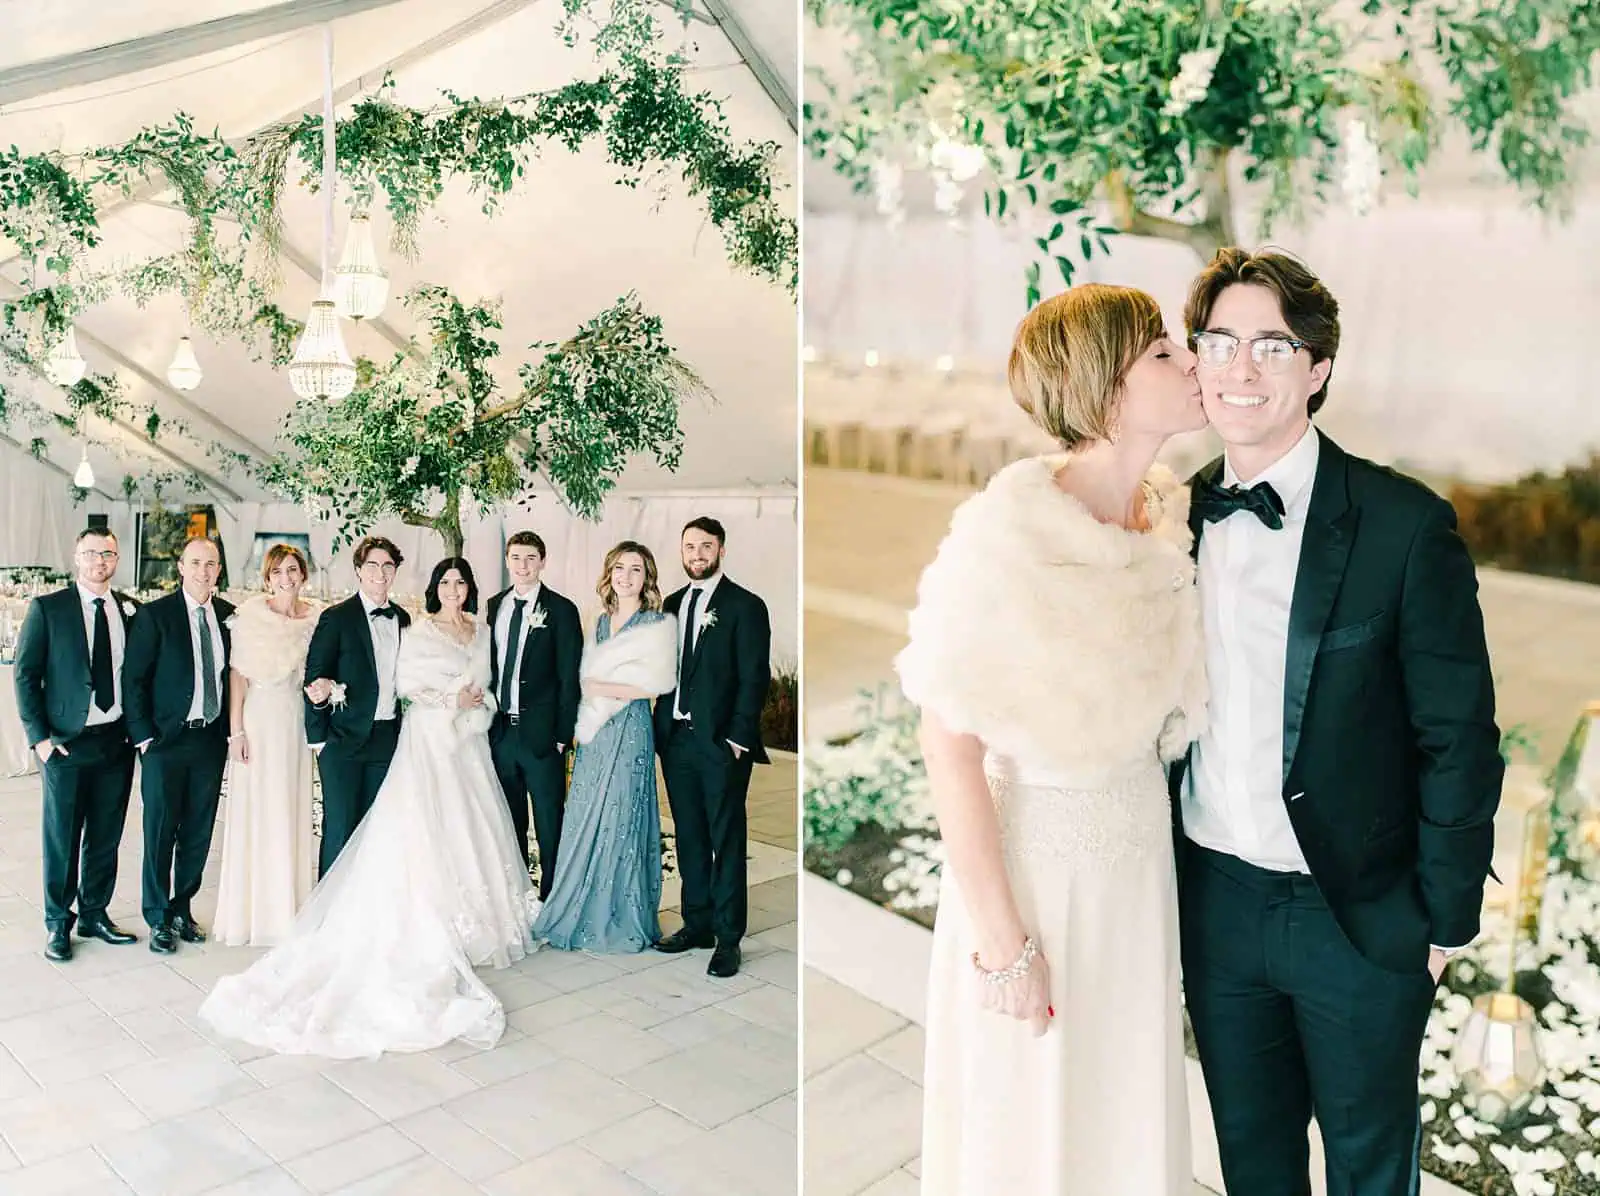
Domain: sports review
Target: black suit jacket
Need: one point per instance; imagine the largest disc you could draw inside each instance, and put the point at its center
(1391, 755)
(547, 690)
(730, 672)
(54, 689)
(341, 650)
(158, 668)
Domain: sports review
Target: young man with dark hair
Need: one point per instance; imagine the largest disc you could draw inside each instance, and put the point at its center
(1336, 817)
(538, 646)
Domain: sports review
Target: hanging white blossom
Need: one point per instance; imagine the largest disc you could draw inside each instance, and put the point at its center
(886, 184)
(1192, 82)
(1363, 173)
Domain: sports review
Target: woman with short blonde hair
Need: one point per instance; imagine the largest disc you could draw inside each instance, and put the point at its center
(1055, 652)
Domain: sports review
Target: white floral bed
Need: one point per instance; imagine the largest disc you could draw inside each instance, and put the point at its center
(868, 829)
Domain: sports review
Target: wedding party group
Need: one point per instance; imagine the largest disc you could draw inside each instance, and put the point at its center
(1225, 746)
(433, 738)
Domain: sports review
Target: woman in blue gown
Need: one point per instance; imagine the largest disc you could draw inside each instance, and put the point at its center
(607, 889)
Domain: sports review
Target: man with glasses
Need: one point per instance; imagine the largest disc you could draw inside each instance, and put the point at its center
(352, 711)
(1336, 817)
(175, 684)
(68, 679)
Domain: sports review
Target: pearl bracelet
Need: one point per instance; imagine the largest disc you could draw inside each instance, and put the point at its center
(1016, 971)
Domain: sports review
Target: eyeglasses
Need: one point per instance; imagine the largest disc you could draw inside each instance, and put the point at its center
(109, 554)
(382, 566)
(1272, 354)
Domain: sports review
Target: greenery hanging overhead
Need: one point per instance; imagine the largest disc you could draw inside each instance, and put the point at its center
(1138, 117)
(586, 404)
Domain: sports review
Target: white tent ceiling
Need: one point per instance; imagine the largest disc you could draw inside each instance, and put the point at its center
(564, 245)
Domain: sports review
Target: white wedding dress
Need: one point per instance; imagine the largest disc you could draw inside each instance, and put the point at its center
(431, 885)
(1071, 649)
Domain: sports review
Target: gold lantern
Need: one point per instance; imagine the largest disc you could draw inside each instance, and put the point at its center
(1496, 1057)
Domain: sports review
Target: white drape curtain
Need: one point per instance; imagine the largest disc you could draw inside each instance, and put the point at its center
(38, 524)
(1468, 321)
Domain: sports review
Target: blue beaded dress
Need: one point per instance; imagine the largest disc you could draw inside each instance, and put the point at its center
(606, 895)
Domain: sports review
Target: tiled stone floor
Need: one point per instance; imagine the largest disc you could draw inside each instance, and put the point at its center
(617, 1075)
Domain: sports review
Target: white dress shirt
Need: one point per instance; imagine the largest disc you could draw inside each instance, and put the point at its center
(385, 654)
(511, 654)
(706, 589)
(1233, 799)
(119, 640)
(198, 705)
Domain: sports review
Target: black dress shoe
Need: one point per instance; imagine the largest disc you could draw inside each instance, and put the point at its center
(59, 946)
(684, 940)
(163, 941)
(106, 931)
(187, 930)
(725, 961)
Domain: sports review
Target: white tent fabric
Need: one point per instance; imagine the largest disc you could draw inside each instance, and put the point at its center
(566, 244)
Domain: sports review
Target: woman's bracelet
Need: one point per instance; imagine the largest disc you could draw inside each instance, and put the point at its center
(1016, 971)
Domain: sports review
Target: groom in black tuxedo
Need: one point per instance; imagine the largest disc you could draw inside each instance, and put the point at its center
(356, 646)
(68, 679)
(708, 732)
(1336, 817)
(175, 687)
(538, 647)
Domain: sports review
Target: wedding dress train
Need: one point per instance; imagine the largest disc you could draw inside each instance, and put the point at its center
(431, 885)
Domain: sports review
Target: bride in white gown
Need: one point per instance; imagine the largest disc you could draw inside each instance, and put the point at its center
(431, 884)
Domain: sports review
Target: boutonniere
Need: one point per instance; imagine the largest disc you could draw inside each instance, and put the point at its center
(536, 619)
(232, 620)
(708, 620)
(336, 694)
(128, 608)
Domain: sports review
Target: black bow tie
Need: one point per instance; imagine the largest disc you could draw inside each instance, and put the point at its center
(1215, 502)
(385, 612)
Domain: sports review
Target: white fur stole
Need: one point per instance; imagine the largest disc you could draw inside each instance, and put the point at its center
(644, 656)
(1061, 642)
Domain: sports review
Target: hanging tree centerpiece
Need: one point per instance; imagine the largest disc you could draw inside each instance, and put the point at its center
(425, 441)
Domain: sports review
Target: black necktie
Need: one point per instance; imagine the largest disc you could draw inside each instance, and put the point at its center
(385, 612)
(688, 643)
(513, 638)
(100, 672)
(1215, 502)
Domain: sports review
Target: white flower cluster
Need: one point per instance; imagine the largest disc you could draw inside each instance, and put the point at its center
(914, 881)
(1363, 173)
(886, 185)
(1192, 82)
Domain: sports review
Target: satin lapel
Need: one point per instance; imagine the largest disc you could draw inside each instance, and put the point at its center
(1197, 525)
(1324, 552)
(364, 621)
(700, 640)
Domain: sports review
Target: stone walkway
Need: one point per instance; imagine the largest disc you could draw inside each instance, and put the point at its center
(617, 1075)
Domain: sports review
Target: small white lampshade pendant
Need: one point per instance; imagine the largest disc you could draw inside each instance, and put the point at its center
(65, 365)
(360, 285)
(83, 479)
(321, 368)
(184, 372)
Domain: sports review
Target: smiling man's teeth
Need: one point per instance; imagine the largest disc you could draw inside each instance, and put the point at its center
(1244, 400)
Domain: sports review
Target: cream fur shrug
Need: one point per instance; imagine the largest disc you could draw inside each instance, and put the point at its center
(1063, 643)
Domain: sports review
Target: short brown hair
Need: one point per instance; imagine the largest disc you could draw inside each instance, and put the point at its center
(367, 543)
(649, 595)
(1072, 353)
(527, 540)
(279, 553)
(1309, 308)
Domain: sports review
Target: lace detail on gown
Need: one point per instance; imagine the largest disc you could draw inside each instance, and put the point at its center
(430, 886)
(1098, 827)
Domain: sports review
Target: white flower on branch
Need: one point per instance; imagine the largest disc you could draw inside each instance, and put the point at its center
(1192, 82)
(886, 179)
(1363, 173)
